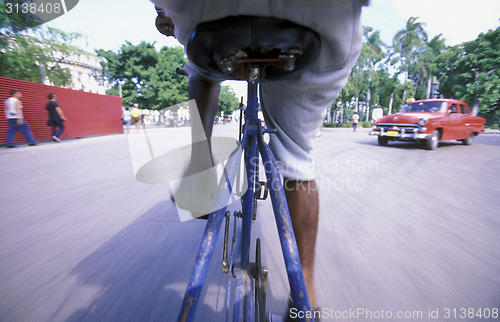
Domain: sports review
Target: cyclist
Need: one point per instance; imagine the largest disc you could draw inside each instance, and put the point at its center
(297, 107)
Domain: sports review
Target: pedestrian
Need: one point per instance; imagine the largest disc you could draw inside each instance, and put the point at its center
(56, 117)
(14, 115)
(355, 121)
(127, 119)
(135, 115)
(339, 122)
(147, 121)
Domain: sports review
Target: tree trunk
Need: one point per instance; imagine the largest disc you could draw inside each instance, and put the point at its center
(404, 84)
(390, 102)
(368, 98)
(416, 85)
(429, 87)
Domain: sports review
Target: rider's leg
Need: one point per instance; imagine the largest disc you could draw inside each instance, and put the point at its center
(303, 203)
(198, 186)
(206, 94)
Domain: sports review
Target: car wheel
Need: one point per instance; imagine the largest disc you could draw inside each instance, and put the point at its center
(382, 140)
(468, 141)
(433, 142)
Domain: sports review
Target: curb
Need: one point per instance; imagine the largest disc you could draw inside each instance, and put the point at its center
(489, 131)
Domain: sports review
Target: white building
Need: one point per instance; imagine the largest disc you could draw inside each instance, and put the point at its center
(86, 71)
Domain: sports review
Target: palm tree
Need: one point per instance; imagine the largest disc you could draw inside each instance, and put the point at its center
(374, 44)
(409, 43)
(434, 47)
(371, 54)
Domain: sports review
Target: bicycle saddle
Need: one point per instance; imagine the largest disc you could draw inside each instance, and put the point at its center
(229, 48)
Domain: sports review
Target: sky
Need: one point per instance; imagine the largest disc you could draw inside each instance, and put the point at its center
(107, 24)
(457, 20)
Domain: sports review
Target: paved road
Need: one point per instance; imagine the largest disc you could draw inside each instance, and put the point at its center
(401, 229)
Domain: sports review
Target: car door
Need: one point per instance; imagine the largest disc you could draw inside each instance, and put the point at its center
(451, 123)
(463, 127)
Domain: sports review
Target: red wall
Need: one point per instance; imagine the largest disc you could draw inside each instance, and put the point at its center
(88, 114)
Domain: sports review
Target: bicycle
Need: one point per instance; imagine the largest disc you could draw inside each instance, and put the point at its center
(254, 49)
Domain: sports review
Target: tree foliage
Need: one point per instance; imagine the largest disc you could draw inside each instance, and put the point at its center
(468, 72)
(147, 76)
(384, 75)
(227, 100)
(409, 45)
(24, 54)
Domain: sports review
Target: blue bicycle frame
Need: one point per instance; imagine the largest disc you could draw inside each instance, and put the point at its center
(253, 145)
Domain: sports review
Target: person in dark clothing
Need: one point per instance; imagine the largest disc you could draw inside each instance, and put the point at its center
(56, 117)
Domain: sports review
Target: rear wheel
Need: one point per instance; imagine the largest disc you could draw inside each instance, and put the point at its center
(382, 140)
(433, 142)
(469, 141)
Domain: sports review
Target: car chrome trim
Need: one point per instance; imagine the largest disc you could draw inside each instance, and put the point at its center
(402, 135)
(398, 124)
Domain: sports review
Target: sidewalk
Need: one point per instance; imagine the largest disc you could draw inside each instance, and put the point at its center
(491, 131)
(346, 129)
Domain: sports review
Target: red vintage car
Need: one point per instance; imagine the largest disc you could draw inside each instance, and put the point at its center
(429, 121)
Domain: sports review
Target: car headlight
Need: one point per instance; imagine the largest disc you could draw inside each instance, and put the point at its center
(422, 122)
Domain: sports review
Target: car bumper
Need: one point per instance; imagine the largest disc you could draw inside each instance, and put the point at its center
(401, 135)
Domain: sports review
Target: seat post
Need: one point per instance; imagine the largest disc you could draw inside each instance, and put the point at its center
(252, 92)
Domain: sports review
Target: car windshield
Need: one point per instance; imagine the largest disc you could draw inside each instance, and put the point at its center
(424, 107)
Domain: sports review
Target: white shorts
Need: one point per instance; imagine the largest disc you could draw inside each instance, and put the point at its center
(296, 107)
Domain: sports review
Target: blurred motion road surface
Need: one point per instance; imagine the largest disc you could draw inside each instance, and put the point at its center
(405, 233)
